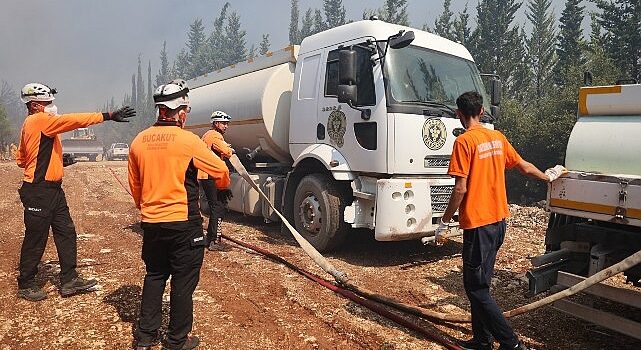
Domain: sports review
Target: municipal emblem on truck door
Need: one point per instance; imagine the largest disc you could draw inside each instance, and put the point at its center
(336, 124)
(434, 133)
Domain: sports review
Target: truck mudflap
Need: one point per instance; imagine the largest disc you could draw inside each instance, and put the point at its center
(409, 208)
(613, 198)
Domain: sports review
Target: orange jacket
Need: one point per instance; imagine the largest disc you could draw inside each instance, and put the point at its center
(216, 142)
(163, 164)
(40, 150)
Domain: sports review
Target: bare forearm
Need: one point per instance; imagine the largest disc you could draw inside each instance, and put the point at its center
(453, 205)
(528, 169)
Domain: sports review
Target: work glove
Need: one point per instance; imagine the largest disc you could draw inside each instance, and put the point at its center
(121, 114)
(224, 196)
(555, 172)
(441, 231)
(67, 159)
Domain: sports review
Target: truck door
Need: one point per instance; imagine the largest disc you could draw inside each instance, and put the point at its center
(361, 139)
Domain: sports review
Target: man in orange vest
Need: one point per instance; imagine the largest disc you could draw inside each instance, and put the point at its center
(40, 155)
(163, 164)
(216, 198)
(479, 159)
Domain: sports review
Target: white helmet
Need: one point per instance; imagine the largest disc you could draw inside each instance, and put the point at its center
(172, 95)
(219, 116)
(37, 92)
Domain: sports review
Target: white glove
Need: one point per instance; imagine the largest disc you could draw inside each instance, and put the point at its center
(440, 232)
(554, 173)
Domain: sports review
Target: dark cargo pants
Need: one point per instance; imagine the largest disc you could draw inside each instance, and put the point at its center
(179, 254)
(45, 206)
(216, 208)
(480, 246)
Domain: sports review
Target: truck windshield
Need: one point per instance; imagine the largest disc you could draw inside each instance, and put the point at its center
(418, 75)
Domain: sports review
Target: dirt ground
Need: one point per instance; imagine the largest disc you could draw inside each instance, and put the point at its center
(245, 301)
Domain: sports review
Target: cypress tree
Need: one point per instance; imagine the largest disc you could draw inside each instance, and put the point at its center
(294, 33)
(461, 28)
(570, 39)
(497, 44)
(307, 27)
(319, 23)
(264, 45)
(621, 21)
(540, 46)
(235, 45)
(444, 24)
(163, 73)
(334, 13)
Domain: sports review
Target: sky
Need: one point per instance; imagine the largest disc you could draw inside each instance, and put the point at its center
(88, 49)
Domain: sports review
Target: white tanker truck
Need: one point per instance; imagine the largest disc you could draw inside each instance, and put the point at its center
(352, 129)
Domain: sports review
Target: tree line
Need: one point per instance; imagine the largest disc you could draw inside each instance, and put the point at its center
(541, 68)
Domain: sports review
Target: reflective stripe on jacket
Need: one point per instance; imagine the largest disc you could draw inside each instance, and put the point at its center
(163, 164)
(40, 149)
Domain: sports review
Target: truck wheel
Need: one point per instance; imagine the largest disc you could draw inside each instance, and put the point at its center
(318, 212)
(92, 158)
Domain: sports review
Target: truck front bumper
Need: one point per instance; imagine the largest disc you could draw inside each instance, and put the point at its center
(409, 208)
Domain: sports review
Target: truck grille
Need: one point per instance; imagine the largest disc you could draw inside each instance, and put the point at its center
(436, 162)
(440, 196)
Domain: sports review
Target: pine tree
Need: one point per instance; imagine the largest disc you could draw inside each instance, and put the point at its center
(163, 73)
(334, 13)
(235, 48)
(496, 42)
(294, 33)
(252, 52)
(393, 11)
(181, 66)
(604, 70)
(444, 24)
(133, 91)
(621, 21)
(570, 39)
(307, 27)
(540, 46)
(462, 32)
(140, 90)
(319, 23)
(196, 50)
(264, 45)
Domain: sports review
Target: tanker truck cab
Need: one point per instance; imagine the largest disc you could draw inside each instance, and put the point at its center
(374, 103)
(353, 129)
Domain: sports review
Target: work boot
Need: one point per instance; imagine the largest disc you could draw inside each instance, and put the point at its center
(473, 344)
(149, 345)
(77, 285)
(192, 342)
(519, 346)
(32, 294)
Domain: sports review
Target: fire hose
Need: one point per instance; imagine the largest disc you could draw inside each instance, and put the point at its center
(341, 277)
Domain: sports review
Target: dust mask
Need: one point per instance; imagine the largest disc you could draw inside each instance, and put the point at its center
(51, 109)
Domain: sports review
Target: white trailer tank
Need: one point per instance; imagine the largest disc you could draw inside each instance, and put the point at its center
(257, 95)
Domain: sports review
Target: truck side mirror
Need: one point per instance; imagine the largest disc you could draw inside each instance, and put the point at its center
(496, 112)
(401, 40)
(348, 94)
(347, 67)
(496, 91)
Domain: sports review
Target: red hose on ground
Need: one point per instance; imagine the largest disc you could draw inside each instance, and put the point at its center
(352, 296)
(342, 291)
(120, 182)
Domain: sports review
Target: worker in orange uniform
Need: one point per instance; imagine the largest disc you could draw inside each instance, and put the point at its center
(216, 198)
(479, 159)
(163, 164)
(40, 155)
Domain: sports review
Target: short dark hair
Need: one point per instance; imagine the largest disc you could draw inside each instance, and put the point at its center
(470, 103)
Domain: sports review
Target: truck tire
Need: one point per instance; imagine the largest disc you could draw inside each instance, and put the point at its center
(318, 212)
(93, 158)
